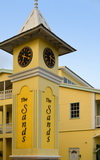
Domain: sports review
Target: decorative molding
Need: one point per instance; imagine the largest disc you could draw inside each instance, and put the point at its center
(37, 71)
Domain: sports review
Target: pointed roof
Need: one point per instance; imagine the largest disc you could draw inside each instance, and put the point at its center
(34, 20)
(36, 27)
(38, 32)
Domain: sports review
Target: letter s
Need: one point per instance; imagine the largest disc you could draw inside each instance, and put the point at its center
(25, 109)
(48, 111)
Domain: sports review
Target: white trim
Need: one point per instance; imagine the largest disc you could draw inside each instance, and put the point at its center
(93, 111)
(97, 135)
(80, 88)
(34, 157)
(38, 71)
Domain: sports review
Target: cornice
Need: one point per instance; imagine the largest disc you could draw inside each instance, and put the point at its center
(37, 71)
(87, 89)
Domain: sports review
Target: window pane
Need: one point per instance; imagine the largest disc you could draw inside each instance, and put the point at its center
(74, 110)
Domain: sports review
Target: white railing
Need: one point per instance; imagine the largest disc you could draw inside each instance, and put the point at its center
(9, 128)
(6, 95)
(97, 121)
(1, 95)
(1, 128)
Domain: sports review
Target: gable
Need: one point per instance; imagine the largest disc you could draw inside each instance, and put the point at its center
(71, 78)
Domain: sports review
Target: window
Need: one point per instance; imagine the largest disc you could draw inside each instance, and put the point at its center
(74, 110)
(65, 80)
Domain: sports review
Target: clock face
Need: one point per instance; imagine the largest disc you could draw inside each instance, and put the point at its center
(25, 56)
(49, 57)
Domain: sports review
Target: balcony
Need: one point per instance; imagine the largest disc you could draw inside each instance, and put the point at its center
(7, 94)
(98, 121)
(7, 128)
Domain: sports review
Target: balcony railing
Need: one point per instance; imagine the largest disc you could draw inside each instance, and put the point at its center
(9, 128)
(97, 121)
(6, 129)
(7, 94)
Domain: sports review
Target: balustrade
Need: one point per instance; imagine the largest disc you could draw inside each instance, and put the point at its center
(7, 94)
(7, 128)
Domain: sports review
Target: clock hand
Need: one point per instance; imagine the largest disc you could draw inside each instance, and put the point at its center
(52, 58)
(22, 60)
(25, 57)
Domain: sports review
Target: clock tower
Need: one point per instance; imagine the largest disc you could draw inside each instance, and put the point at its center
(35, 88)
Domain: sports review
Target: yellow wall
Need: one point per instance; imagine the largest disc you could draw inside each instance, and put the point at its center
(97, 97)
(78, 132)
(6, 102)
(37, 47)
(37, 86)
(0, 117)
(4, 76)
(37, 90)
(68, 96)
(78, 139)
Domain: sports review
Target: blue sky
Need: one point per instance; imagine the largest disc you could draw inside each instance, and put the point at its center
(77, 22)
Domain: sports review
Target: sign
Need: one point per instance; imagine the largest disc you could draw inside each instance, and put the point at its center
(48, 119)
(74, 153)
(24, 118)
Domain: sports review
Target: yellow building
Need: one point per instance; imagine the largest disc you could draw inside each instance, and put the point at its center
(5, 114)
(79, 125)
(79, 130)
(36, 95)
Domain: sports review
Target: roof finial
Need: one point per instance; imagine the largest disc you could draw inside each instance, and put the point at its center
(36, 4)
